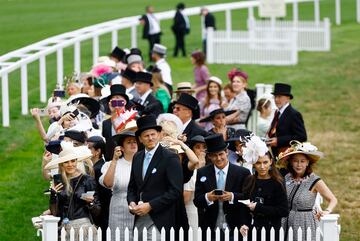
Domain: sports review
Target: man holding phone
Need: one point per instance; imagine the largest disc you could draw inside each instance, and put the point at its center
(218, 188)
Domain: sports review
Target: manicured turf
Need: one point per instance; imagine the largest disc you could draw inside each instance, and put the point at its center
(325, 86)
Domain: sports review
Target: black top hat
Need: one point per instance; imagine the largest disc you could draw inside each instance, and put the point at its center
(119, 138)
(188, 101)
(129, 74)
(91, 104)
(215, 112)
(146, 122)
(118, 53)
(54, 147)
(240, 135)
(282, 89)
(215, 143)
(79, 136)
(144, 77)
(196, 139)
(118, 90)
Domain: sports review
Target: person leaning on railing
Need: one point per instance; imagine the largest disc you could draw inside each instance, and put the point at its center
(302, 186)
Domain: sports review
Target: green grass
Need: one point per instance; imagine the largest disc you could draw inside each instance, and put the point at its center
(325, 86)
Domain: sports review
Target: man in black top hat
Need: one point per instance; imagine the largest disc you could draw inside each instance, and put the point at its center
(148, 103)
(185, 108)
(156, 181)
(97, 146)
(287, 124)
(151, 30)
(117, 101)
(218, 189)
(180, 28)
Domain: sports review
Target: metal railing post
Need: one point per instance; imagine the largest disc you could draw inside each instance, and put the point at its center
(42, 69)
(95, 48)
(77, 57)
(60, 67)
(133, 36)
(114, 39)
(5, 99)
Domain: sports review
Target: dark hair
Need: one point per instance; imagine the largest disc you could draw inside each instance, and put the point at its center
(263, 103)
(308, 170)
(100, 144)
(228, 86)
(180, 6)
(249, 185)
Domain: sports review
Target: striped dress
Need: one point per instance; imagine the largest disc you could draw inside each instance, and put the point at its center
(301, 204)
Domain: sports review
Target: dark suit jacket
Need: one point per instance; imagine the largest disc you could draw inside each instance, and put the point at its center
(236, 214)
(146, 28)
(290, 127)
(210, 21)
(162, 186)
(151, 106)
(194, 129)
(107, 134)
(179, 26)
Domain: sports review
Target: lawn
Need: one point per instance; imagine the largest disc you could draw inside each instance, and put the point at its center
(325, 86)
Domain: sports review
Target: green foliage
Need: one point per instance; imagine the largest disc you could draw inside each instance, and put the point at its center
(325, 86)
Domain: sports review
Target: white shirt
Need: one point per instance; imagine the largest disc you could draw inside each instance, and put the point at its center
(282, 109)
(225, 170)
(154, 26)
(187, 21)
(165, 71)
(145, 95)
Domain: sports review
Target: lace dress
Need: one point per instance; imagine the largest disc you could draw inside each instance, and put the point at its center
(301, 204)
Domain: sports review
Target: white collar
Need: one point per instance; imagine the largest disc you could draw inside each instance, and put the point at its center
(145, 95)
(160, 61)
(152, 151)
(225, 169)
(186, 124)
(282, 109)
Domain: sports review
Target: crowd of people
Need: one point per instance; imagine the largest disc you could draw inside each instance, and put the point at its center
(126, 149)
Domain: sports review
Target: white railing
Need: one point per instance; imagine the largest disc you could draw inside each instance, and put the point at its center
(40, 50)
(329, 230)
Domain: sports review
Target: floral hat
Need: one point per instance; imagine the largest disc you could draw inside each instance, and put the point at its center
(254, 148)
(297, 147)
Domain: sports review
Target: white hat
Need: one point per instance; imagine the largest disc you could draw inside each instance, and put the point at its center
(69, 152)
(216, 80)
(254, 149)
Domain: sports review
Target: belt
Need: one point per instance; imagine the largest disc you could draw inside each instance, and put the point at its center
(303, 210)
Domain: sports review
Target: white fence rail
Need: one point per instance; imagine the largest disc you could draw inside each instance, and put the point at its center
(261, 46)
(19, 59)
(311, 35)
(329, 230)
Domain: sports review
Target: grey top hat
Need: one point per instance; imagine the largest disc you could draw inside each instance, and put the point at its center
(160, 49)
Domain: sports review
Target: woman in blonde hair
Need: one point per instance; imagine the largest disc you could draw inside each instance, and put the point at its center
(73, 196)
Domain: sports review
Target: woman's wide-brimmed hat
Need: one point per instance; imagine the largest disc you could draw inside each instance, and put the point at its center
(69, 152)
(216, 112)
(184, 87)
(119, 138)
(297, 147)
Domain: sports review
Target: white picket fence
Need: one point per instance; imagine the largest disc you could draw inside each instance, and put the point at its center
(311, 35)
(329, 230)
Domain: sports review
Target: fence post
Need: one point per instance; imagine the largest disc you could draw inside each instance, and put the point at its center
(50, 228)
(337, 12)
(95, 48)
(330, 227)
(114, 39)
(24, 90)
(77, 58)
(5, 99)
(133, 36)
(358, 11)
(60, 67)
(42, 66)
(295, 12)
(210, 45)
(327, 34)
(228, 22)
(317, 11)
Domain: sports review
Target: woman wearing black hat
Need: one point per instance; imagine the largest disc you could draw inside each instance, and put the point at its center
(116, 176)
(218, 119)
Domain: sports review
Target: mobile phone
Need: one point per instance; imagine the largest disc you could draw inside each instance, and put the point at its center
(57, 179)
(59, 93)
(218, 192)
(117, 103)
(43, 112)
(75, 113)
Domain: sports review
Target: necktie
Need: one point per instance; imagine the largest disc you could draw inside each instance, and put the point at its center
(221, 180)
(272, 130)
(146, 163)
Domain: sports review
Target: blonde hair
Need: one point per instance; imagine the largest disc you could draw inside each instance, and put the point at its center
(169, 128)
(66, 180)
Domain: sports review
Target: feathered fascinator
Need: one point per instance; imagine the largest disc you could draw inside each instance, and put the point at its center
(254, 149)
(235, 72)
